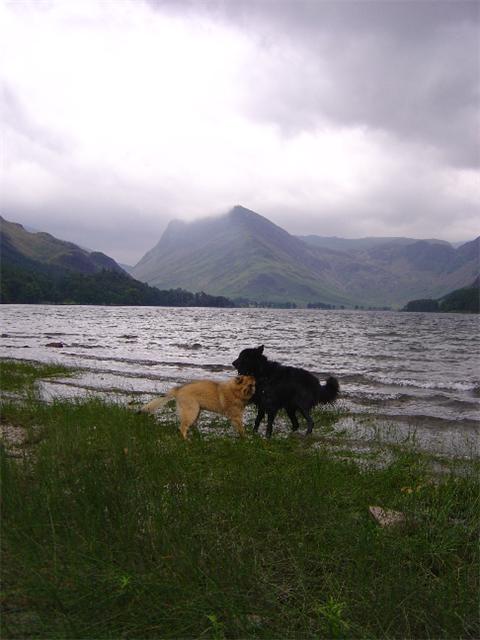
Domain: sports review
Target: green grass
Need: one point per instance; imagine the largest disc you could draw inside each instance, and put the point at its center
(22, 376)
(113, 527)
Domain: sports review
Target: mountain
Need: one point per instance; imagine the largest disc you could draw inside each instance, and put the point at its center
(244, 255)
(438, 264)
(42, 251)
(39, 268)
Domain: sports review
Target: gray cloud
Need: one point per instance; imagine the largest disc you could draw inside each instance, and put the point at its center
(17, 119)
(411, 68)
(337, 118)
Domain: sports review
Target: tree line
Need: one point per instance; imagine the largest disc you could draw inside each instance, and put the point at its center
(23, 286)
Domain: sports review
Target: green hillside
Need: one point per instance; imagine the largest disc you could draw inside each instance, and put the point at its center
(38, 268)
(23, 248)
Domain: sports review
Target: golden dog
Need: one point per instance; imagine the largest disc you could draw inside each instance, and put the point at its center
(227, 398)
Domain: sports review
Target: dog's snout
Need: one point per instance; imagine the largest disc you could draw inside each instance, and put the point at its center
(234, 363)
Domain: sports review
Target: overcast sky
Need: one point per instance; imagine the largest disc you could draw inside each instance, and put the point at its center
(332, 118)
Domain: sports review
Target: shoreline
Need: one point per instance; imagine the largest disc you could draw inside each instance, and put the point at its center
(371, 428)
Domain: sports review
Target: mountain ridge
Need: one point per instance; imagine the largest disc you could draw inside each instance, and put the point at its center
(242, 254)
(22, 247)
(366, 242)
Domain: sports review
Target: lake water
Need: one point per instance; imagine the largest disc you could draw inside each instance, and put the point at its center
(406, 370)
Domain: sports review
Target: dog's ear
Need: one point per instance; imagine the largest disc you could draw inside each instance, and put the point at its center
(260, 349)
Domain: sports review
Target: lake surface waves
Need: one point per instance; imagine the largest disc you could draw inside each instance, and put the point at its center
(408, 371)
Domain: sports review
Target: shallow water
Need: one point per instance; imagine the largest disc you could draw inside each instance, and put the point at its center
(404, 368)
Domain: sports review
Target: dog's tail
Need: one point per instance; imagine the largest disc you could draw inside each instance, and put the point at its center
(155, 404)
(328, 392)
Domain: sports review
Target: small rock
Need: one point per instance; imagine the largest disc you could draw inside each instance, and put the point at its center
(387, 517)
(56, 345)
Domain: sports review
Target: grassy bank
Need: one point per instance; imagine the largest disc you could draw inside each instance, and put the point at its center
(114, 527)
(21, 376)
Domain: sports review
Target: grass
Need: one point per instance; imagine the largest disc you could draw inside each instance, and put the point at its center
(21, 376)
(113, 527)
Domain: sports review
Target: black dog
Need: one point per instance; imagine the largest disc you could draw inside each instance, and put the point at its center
(280, 387)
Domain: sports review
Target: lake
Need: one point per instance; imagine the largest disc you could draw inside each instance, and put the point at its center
(402, 372)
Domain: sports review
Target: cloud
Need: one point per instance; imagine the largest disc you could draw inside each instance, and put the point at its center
(411, 70)
(332, 118)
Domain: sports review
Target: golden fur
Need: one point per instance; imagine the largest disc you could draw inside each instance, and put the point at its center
(227, 398)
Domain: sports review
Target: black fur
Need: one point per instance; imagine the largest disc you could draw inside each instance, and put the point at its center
(280, 387)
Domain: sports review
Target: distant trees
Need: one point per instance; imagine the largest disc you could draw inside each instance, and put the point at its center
(19, 285)
(264, 304)
(424, 304)
(320, 305)
(465, 300)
